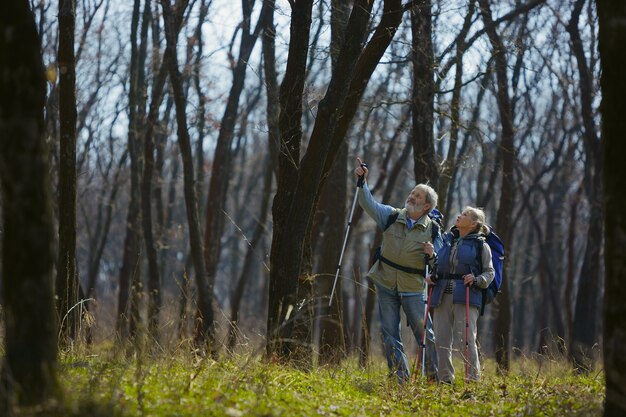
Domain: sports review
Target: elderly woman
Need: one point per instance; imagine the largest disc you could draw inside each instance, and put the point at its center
(457, 293)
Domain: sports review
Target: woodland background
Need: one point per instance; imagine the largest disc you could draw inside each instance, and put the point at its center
(201, 157)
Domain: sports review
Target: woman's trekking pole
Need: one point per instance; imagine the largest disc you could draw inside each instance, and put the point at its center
(359, 184)
(426, 302)
(467, 292)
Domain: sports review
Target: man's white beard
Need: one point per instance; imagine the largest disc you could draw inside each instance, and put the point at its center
(413, 209)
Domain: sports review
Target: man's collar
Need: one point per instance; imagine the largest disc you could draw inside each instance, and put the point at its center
(404, 215)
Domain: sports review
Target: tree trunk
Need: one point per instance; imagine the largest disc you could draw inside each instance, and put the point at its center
(130, 272)
(586, 314)
(331, 215)
(288, 250)
(205, 329)
(426, 168)
(612, 37)
(154, 280)
(449, 165)
(220, 170)
(283, 287)
(507, 193)
(333, 206)
(67, 277)
(29, 369)
(297, 195)
(249, 259)
(368, 60)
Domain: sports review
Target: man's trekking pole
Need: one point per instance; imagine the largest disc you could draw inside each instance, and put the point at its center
(421, 355)
(421, 358)
(359, 184)
(426, 302)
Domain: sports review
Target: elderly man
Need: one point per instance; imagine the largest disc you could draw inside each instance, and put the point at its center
(398, 271)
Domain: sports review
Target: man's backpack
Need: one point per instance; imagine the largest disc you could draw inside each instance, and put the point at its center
(497, 258)
(437, 219)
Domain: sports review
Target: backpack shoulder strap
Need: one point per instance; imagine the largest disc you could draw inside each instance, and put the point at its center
(479, 250)
(435, 230)
(392, 219)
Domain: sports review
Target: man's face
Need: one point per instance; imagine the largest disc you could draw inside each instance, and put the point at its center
(416, 202)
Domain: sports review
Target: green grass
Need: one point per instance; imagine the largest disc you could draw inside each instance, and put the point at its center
(184, 385)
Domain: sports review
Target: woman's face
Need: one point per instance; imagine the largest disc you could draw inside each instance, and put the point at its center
(464, 221)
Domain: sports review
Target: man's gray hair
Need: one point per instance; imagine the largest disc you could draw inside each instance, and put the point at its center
(430, 194)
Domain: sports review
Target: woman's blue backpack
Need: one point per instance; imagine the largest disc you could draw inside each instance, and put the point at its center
(497, 257)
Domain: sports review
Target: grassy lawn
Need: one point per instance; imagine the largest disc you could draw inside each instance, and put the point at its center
(185, 385)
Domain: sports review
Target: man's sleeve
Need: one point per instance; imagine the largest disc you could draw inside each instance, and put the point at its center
(379, 212)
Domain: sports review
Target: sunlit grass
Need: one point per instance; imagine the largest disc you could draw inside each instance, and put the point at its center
(183, 384)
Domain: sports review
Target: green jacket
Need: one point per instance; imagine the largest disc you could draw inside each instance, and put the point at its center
(405, 247)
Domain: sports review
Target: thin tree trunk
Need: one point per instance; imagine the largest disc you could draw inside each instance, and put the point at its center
(333, 203)
(205, 329)
(365, 66)
(103, 227)
(130, 272)
(249, 259)
(586, 313)
(507, 193)
(29, 368)
(220, 170)
(331, 214)
(201, 114)
(154, 280)
(67, 277)
(455, 112)
(612, 37)
(571, 264)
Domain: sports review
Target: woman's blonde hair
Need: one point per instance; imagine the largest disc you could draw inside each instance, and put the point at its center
(477, 215)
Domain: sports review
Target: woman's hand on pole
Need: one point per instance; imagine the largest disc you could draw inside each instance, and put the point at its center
(469, 280)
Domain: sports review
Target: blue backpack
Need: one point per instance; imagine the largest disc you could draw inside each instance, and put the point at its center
(497, 256)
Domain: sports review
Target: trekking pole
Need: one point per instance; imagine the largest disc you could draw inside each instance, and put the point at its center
(467, 292)
(421, 358)
(422, 347)
(426, 302)
(359, 184)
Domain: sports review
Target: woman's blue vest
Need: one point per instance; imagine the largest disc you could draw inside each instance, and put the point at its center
(466, 262)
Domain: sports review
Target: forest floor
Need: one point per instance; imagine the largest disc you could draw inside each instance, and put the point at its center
(183, 384)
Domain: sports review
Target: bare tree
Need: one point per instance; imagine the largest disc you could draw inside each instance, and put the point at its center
(612, 35)
(218, 184)
(586, 314)
(130, 271)
(299, 179)
(425, 166)
(507, 191)
(449, 164)
(67, 276)
(331, 213)
(29, 369)
(205, 331)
